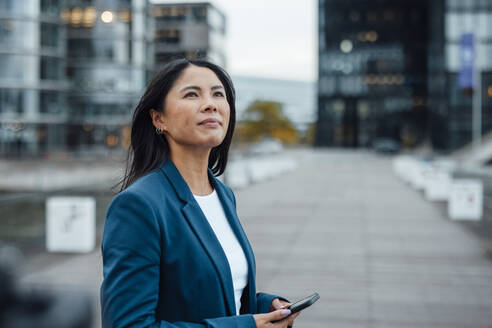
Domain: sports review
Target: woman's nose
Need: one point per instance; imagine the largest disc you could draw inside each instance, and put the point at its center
(210, 106)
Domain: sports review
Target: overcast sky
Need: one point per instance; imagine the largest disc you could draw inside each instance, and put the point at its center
(270, 38)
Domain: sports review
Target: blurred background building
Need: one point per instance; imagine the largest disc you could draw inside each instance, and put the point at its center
(389, 70)
(451, 101)
(372, 71)
(107, 64)
(33, 86)
(72, 71)
(188, 29)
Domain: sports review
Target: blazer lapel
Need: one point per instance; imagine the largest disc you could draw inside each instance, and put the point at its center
(231, 215)
(203, 231)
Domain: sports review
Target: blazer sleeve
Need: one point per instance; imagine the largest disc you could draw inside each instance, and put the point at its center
(131, 251)
(264, 301)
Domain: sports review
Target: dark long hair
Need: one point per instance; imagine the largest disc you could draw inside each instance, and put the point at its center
(148, 150)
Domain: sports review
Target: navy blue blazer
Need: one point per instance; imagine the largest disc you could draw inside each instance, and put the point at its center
(164, 266)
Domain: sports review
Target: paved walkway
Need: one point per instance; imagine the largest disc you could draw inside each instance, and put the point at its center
(342, 225)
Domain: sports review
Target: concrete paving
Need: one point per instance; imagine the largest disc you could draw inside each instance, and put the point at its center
(344, 226)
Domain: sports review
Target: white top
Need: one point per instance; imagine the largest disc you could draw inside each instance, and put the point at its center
(214, 212)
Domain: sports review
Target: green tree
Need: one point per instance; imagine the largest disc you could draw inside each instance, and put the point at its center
(265, 119)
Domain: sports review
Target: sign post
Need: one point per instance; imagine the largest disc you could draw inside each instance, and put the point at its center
(470, 78)
(70, 224)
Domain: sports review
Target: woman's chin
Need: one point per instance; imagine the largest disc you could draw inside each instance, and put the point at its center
(213, 141)
(210, 143)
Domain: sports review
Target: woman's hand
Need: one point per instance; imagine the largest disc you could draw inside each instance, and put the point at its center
(278, 304)
(277, 313)
(277, 319)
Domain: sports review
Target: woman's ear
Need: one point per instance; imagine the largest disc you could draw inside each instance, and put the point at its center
(158, 119)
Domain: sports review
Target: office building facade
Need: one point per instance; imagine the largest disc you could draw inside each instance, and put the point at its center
(451, 102)
(33, 87)
(390, 69)
(188, 30)
(372, 72)
(73, 70)
(107, 64)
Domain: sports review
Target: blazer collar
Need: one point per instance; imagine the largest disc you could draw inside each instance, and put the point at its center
(177, 181)
(206, 235)
(203, 230)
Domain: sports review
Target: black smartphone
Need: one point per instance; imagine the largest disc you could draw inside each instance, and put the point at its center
(304, 303)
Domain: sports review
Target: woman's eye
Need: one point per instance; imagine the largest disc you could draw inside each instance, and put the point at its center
(191, 94)
(219, 94)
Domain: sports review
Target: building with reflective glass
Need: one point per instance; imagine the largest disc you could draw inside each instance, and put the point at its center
(32, 81)
(450, 102)
(72, 71)
(107, 64)
(188, 30)
(372, 71)
(388, 69)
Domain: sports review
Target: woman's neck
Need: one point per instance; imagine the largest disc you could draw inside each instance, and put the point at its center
(193, 166)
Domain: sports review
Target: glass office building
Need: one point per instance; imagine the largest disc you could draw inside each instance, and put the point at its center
(188, 30)
(32, 82)
(372, 72)
(107, 65)
(450, 105)
(390, 69)
(72, 71)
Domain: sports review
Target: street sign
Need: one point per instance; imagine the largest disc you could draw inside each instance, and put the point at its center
(70, 224)
(467, 59)
(466, 199)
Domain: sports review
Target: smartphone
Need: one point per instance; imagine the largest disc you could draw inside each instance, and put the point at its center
(304, 303)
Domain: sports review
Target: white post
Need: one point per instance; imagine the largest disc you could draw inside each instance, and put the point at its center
(477, 91)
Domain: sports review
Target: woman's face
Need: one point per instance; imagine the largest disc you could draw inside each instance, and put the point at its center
(196, 111)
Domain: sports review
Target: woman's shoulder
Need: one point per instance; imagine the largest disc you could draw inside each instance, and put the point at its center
(148, 182)
(150, 187)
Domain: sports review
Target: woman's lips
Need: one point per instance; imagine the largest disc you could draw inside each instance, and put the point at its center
(210, 123)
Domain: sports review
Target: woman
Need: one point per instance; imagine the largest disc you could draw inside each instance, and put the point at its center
(174, 252)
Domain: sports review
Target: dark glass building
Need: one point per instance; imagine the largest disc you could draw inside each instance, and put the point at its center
(450, 106)
(188, 30)
(372, 72)
(32, 82)
(389, 69)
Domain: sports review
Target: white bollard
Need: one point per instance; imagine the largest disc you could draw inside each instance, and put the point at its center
(446, 165)
(418, 171)
(70, 224)
(437, 185)
(466, 200)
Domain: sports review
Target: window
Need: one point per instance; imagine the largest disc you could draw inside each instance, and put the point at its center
(50, 7)
(80, 48)
(457, 96)
(49, 102)
(50, 68)
(104, 49)
(171, 13)
(11, 101)
(49, 35)
(171, 36)
(199, 13)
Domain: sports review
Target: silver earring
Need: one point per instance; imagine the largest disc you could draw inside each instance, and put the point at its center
(158, 130)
